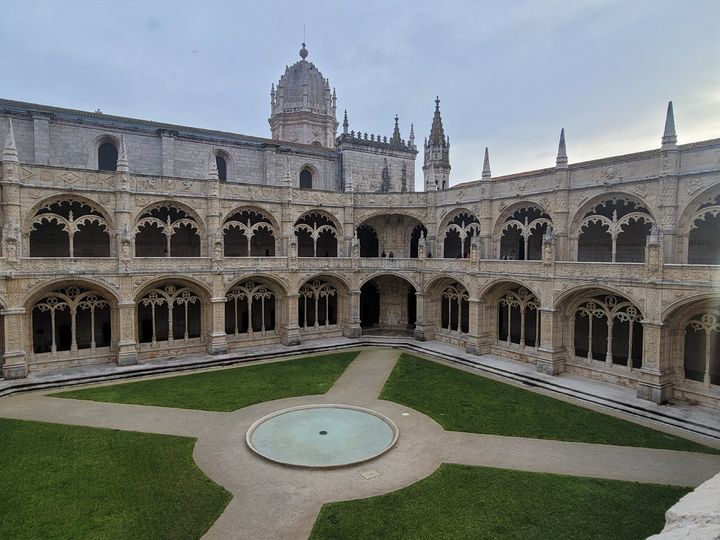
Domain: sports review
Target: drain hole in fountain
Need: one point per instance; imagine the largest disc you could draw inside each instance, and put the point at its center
(323, 432)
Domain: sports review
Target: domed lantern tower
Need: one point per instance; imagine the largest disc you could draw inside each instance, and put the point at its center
(302, 107)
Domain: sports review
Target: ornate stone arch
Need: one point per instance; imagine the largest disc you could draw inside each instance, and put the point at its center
(187, 219)
(403, 276)
(68, 316)
(314, 233)
(461, 222)
(697, 241)
(561, 299)
(611, 230)
(254, 306)
(87, 212)
(257, 226)
(530, 229)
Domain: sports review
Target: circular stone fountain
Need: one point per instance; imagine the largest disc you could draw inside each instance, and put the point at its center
(322, 435)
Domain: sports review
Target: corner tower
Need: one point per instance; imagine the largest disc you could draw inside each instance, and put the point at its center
(302, 108)
(436, 167)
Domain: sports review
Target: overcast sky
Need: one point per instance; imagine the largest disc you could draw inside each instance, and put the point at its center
(509, 74)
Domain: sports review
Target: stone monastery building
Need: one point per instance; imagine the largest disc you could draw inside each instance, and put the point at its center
(124, 240)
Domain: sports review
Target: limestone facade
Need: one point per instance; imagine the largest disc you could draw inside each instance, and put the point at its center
(607, 269)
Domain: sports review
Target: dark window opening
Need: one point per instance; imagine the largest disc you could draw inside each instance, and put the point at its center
(107, 157)
(305, 179)
(221, 167)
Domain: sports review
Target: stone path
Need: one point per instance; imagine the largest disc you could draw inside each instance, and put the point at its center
(273, 501)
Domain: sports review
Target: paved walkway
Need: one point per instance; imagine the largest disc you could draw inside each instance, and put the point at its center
(273, 501)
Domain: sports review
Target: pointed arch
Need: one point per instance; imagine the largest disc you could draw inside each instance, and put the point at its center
(457, 229)
(318, 234)
(519, 231)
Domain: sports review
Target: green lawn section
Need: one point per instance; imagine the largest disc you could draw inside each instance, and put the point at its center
(60, 481)
(459, 501)
(462, 401)
(228, 389)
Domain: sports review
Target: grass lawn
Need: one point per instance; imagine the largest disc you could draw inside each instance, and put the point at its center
(228, 389)
(60, 481)
(461, 401)
(459, 501)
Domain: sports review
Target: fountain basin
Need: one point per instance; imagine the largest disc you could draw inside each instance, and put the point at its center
(322, 435)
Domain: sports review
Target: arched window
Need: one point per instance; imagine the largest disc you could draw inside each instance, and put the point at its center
(702, 348)
(704, 240)
(170, 313)
(455, 309)
(317, 305)
(69, 229)
(305, 179)
(614, 231)
(166, 231)
(248, 234)
(522, 234)
(369, 245)
(249, 309)
(71, 319)
(221, 167)
(317, 236)
(459, 234)
(518, 318)
(608, 328)
(107, 157)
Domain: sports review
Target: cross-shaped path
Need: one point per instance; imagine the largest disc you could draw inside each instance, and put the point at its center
(274, 501)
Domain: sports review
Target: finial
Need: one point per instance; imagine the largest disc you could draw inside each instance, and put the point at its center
(411, 139)
(122, 162)
(669, 139)
(10, 150)
(346, 124)
(396, 139)
(212, 168)
(561, 161)
(437, 103)
(303, 52)
(486, 166)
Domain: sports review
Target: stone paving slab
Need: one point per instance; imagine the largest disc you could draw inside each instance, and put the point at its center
(278, 502)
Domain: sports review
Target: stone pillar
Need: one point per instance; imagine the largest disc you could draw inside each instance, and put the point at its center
(551, 359)
(353, 329)
(474, 317)
(127, 342)
(217, 342)
(668, 193)
(15, 359)
(656, 374)
(563, 245)
(11, 205)
(291, 330)
(424, 330)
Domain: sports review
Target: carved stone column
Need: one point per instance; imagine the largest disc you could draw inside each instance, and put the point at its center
(291, 330)
(656, 373)
(15, 366)
(424, 330)
(474, 318)
(127, 342)
(353, 329)
(217, 342)
(552, 350)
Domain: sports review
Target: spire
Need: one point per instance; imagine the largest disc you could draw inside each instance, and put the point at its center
(669, 139)
(396, 132)
(122, 161)
(10, 150)
(346, 124)
(212, 167)
(411, 140)
(303, 52)
(437, 134)
(486, 166)
(562, 160)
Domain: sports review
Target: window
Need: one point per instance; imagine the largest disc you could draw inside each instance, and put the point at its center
(305, 179)
(221, 167)
(107, 157)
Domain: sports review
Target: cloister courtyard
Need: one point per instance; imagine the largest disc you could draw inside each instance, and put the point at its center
(487, 448)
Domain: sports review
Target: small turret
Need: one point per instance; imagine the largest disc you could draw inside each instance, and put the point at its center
(396, 132)
(669, 139)
(10, 150)
(436, 168)
(486, 166)
(561, 162)
(346, 124)
(122, 162)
